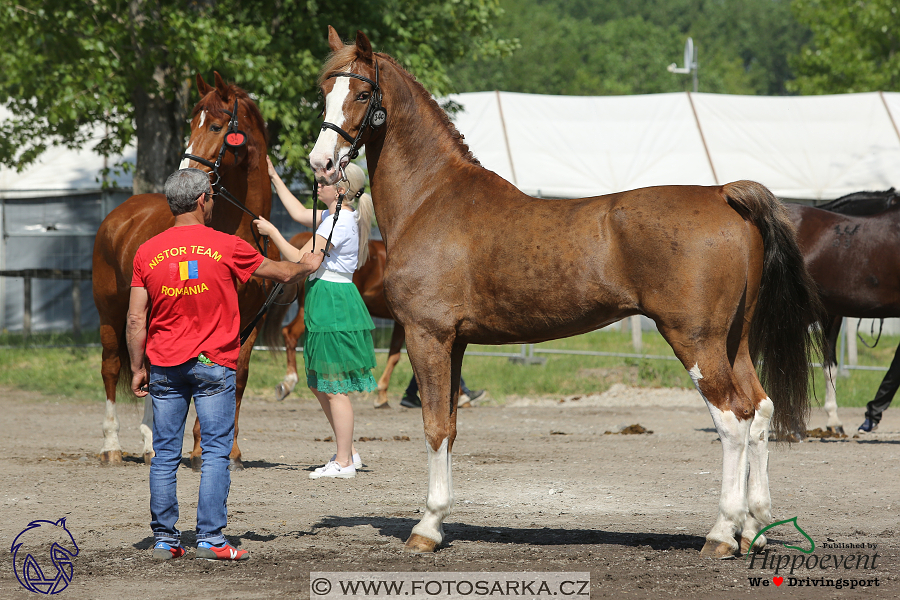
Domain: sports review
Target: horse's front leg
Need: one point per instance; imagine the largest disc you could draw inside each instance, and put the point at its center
(439, 389)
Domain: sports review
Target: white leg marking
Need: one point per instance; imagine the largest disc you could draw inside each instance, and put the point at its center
(759, 499)
(440, 494)
(326, 144)
(290, 380)
(831, 396)
(147, 426)
(110, 429)
(186, 162)
(733, 500)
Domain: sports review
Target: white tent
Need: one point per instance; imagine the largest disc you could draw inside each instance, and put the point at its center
(810, 147)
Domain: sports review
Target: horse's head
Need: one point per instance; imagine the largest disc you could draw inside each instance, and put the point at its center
(221, 134)
(353, 110)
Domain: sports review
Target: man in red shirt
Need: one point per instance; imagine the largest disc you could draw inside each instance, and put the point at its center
(186, 277)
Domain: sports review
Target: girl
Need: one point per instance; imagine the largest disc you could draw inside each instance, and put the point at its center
(338, 350)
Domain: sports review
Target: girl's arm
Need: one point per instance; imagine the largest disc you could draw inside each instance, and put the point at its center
(295, 208)
(288, 251)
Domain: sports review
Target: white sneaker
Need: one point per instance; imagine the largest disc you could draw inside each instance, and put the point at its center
(357, 462)
(333, 469)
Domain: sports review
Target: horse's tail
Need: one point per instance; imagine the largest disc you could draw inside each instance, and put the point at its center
(783, 339)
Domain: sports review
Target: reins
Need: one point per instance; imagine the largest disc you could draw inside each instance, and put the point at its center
(872, 332)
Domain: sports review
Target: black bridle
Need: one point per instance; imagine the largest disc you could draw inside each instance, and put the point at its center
(375, 115)
(235, 140)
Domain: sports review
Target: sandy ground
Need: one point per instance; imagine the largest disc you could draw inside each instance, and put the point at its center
(538, 487)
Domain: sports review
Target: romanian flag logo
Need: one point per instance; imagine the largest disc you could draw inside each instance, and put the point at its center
(187, 269)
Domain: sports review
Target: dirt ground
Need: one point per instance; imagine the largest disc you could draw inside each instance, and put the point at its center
(538, 487)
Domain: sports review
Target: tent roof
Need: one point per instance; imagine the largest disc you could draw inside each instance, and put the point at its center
(809, 147)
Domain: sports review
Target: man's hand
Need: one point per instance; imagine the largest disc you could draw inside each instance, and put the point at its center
(139, 382)
(313, 261)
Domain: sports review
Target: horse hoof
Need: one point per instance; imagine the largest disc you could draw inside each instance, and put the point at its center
(745, 545)
(718, 549)
(196, 463)
(235, 464)
(383, 405)
(148, 457)
(417, 544)
(839, 429)
(111, 457)
(281, 391)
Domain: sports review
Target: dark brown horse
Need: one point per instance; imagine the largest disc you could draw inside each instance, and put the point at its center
(854, 259)
(369, 280)
(471, 259)
(141, 217)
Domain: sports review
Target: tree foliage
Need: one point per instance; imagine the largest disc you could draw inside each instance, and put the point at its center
(624, 46)
(66, 65)
(855, 46)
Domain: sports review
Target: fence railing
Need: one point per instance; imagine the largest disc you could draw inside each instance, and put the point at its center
(71, 274)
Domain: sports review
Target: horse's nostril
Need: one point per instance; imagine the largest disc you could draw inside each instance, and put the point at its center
(329, 166)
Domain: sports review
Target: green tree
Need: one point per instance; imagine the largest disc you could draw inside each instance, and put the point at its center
(623, 47)
(855, 46)
(69, 64)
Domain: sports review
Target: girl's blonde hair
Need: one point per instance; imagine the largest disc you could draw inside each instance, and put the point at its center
(354, 183)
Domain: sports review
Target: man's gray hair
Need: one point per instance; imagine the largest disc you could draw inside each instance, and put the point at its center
(182, 189)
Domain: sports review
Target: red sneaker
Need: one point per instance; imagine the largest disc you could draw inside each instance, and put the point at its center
(207, 551)
(164, 551)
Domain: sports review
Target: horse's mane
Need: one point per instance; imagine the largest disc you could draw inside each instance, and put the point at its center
(340, 59)
(213, 104)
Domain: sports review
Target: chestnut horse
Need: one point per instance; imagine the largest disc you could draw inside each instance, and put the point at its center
(143, 216)
(471, 259)
(369, 280)
(851, 248)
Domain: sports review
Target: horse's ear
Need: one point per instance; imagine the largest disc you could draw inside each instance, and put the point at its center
(364, 47)
(334, 40)
(220, 86)
(203, 87)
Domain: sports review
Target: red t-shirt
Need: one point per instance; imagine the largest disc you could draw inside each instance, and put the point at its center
(190, 274)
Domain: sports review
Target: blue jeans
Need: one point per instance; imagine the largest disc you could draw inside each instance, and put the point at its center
(213, 390)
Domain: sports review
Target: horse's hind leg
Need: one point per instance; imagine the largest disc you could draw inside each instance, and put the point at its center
(291, 332)
(398, 336)
(832, 326)
(436, 364)
(759, 499)
(732, 413)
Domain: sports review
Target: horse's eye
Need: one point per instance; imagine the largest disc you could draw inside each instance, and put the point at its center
(363, 96)
(215, 128)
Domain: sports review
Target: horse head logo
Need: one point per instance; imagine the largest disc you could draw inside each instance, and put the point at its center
(39, 545)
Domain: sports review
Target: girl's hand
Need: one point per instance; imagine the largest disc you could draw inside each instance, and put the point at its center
(265, 228)
(271, 168)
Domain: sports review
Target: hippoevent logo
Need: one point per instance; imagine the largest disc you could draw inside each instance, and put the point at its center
(42, 556)
(837, 566)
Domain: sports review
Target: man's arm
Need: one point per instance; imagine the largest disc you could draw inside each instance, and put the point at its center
(136, 338)
(288, 272)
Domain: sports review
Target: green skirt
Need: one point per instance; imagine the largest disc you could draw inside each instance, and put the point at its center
(338, 349)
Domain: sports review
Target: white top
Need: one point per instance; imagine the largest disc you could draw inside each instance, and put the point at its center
(345, 241)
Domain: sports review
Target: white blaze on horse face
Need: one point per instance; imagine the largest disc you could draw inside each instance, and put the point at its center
(440, 493)
(186, 162)
(326, 145)
(202, 119)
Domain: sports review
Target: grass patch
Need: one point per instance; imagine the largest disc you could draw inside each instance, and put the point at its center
(52, 365)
